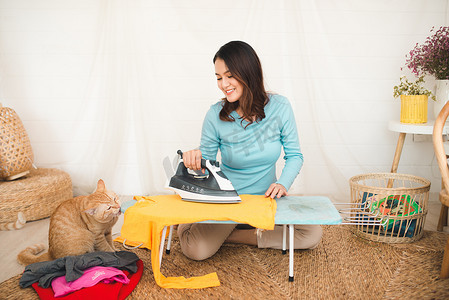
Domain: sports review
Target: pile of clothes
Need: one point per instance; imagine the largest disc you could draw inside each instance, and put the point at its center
(96, 275)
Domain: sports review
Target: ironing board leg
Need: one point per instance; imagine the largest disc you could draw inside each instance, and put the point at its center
(161, 249)
(291, 251)
(169, 240)
(284, 239)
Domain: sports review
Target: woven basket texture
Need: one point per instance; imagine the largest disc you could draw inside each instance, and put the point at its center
(399, 201)
(35, 195)
(16, 154)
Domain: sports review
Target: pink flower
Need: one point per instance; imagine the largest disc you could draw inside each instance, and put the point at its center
(432, 57)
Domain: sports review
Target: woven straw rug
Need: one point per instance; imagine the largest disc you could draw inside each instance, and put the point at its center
(343, 266)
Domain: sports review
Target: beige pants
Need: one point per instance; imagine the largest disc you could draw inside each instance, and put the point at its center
(200, 241)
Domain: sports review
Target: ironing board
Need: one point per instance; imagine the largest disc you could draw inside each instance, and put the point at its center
(291, 211)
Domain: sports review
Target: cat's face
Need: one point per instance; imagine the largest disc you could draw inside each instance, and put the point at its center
(103, 205)
(109, 208)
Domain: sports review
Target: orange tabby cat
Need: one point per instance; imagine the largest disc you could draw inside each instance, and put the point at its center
(78, 226)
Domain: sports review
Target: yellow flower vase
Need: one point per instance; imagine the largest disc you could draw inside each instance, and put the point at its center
(414, 109)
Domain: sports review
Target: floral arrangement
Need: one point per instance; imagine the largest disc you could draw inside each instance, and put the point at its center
(432, 57)
(412, 88)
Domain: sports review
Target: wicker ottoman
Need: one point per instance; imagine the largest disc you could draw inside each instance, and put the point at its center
(35, 195)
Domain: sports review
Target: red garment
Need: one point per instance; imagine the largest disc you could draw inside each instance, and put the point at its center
(101, 290)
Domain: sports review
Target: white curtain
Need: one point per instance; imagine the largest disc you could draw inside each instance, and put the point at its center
(112, 88)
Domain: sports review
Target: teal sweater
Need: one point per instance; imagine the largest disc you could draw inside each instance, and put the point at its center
(248, 156)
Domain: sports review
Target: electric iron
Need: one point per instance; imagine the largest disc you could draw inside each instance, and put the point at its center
(214, 187)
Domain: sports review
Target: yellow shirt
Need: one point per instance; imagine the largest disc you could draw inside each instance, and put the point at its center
(145, 221)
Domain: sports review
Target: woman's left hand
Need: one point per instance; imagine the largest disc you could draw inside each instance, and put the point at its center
(276, 190)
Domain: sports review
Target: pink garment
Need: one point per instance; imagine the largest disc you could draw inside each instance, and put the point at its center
(91, 277)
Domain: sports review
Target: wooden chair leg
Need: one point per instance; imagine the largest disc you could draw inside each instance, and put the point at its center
(442, 221)
(444, 208)
(445, 265)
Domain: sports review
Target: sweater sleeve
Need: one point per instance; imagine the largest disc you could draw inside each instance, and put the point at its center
(290, 142)
(210, 140)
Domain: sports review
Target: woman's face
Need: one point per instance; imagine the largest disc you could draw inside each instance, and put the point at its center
(231, 88)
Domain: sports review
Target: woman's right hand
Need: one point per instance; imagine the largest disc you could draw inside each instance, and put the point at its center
(192, 159)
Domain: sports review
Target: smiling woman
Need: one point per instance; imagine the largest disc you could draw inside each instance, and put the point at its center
(249, 127)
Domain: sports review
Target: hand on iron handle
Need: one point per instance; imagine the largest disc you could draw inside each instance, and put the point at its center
(276, 190)
(193, 160)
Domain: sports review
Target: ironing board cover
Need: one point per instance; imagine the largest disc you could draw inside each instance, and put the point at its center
(306, 210)
(145, 221)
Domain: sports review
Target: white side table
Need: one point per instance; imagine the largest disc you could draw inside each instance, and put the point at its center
(403, 129)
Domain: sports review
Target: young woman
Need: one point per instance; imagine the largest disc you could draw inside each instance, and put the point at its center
(249, 127)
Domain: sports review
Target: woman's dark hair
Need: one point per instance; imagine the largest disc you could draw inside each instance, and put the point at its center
(244, 65)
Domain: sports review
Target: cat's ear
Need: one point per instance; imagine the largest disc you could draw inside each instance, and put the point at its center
(100, 186)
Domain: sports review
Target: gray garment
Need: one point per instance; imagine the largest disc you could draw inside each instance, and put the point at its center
(73, 266)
